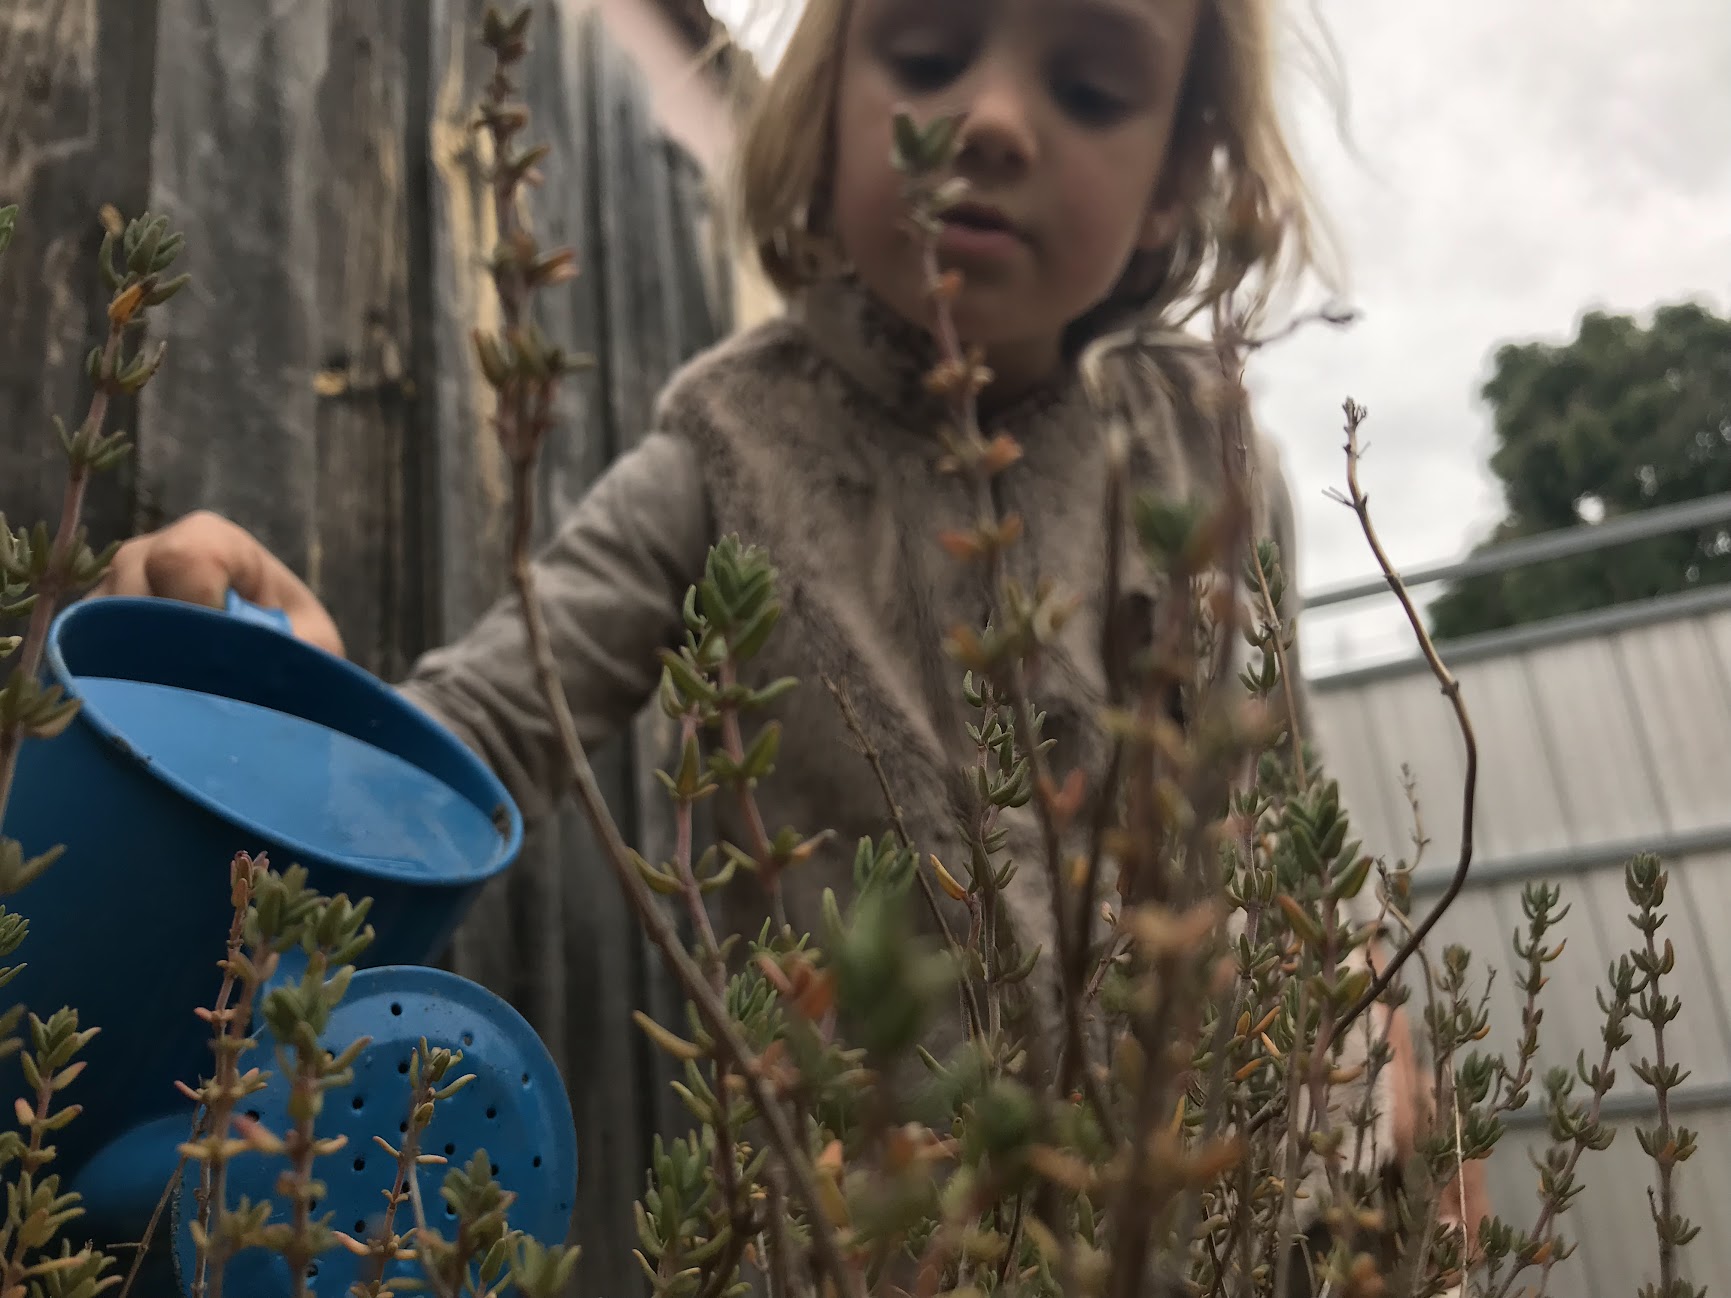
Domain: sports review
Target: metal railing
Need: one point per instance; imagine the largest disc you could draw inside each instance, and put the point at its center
(1564, 543)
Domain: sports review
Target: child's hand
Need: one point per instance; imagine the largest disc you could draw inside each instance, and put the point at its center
(200, 558)
(1414, 1103)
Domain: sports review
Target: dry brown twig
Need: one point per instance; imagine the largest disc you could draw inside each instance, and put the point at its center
(962, 376)
(1112, 636)
(1192, 893)
(1359, 503)
(727, 1142)
(232, 1024)
(1357, 500)
(733, 744)
(523, 418)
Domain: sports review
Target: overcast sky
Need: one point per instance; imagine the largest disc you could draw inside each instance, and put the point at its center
(1514, 163)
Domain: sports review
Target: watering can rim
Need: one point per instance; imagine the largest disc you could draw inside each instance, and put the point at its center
(510, 843)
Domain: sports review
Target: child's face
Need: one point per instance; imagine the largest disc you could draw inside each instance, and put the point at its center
(1069, 107)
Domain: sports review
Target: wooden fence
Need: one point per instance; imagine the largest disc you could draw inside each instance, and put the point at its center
(319, 387)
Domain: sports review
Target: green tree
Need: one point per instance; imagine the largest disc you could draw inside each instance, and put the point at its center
(1623, 418)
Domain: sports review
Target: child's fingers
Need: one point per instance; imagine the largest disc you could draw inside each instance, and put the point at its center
(200, 558)
(125, 575)
(198, 563)
(1468, 1185)
(195, 560)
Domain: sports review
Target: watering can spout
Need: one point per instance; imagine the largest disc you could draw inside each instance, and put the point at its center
(514, 1110)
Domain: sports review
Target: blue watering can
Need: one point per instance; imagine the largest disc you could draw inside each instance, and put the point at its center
(203, 733)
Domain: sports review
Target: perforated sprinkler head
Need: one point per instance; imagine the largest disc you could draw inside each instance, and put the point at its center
(516, 1110)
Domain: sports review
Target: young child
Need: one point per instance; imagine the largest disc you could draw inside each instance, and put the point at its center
(1125, 162)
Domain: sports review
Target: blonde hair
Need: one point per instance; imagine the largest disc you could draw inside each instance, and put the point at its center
(1247, 221)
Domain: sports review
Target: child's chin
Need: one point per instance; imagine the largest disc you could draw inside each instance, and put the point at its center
(989, 317)
(987, 313)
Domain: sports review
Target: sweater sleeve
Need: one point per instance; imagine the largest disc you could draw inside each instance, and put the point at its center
(612, 583)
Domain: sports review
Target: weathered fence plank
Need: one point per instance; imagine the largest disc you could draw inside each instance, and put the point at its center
(369, 443)
(321, 387)
(75, 87)
(233, 156)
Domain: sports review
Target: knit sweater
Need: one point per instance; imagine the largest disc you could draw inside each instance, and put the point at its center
(813, 436)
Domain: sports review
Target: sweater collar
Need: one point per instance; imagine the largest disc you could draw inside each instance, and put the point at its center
(888, 357)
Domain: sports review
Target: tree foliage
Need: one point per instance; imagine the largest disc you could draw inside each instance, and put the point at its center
(1622, 418)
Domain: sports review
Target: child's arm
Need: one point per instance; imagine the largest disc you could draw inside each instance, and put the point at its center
(611, 584)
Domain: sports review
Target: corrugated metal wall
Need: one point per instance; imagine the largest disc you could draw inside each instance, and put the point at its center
(1598, 736)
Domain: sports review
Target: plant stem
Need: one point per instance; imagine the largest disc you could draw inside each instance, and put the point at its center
(1175, 643)
(33, 1157)
(1323, 1050)
(777, 1278)
(728, 1263)
(1664, 1138)
(1288, 687)
(683, 839)
(219, 1110)
(435, 1278)
(1157, 1029)
(162, 1202)
(1451, 689)
(1133, 1210)
(56, 581)
(733, 744)
(1547, 1215)
(659, 928)
(972, 1019)
(726, 1140)
(964, 400)
(302, 1149)
(521, 428)
(1111, 650)
(384, 1247)
(1356, 500)
(1288, 1221)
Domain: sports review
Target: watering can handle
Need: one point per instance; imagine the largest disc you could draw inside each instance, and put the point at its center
(274, 618)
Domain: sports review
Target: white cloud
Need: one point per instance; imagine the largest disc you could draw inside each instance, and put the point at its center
(1519, 164)
(1513, 165)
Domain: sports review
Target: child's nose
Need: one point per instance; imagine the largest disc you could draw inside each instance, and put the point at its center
(998, 134)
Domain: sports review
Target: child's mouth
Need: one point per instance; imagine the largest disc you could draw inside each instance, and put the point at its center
(973, 230)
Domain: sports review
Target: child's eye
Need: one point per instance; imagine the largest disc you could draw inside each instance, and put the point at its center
(1087, 102)
(926, 70)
